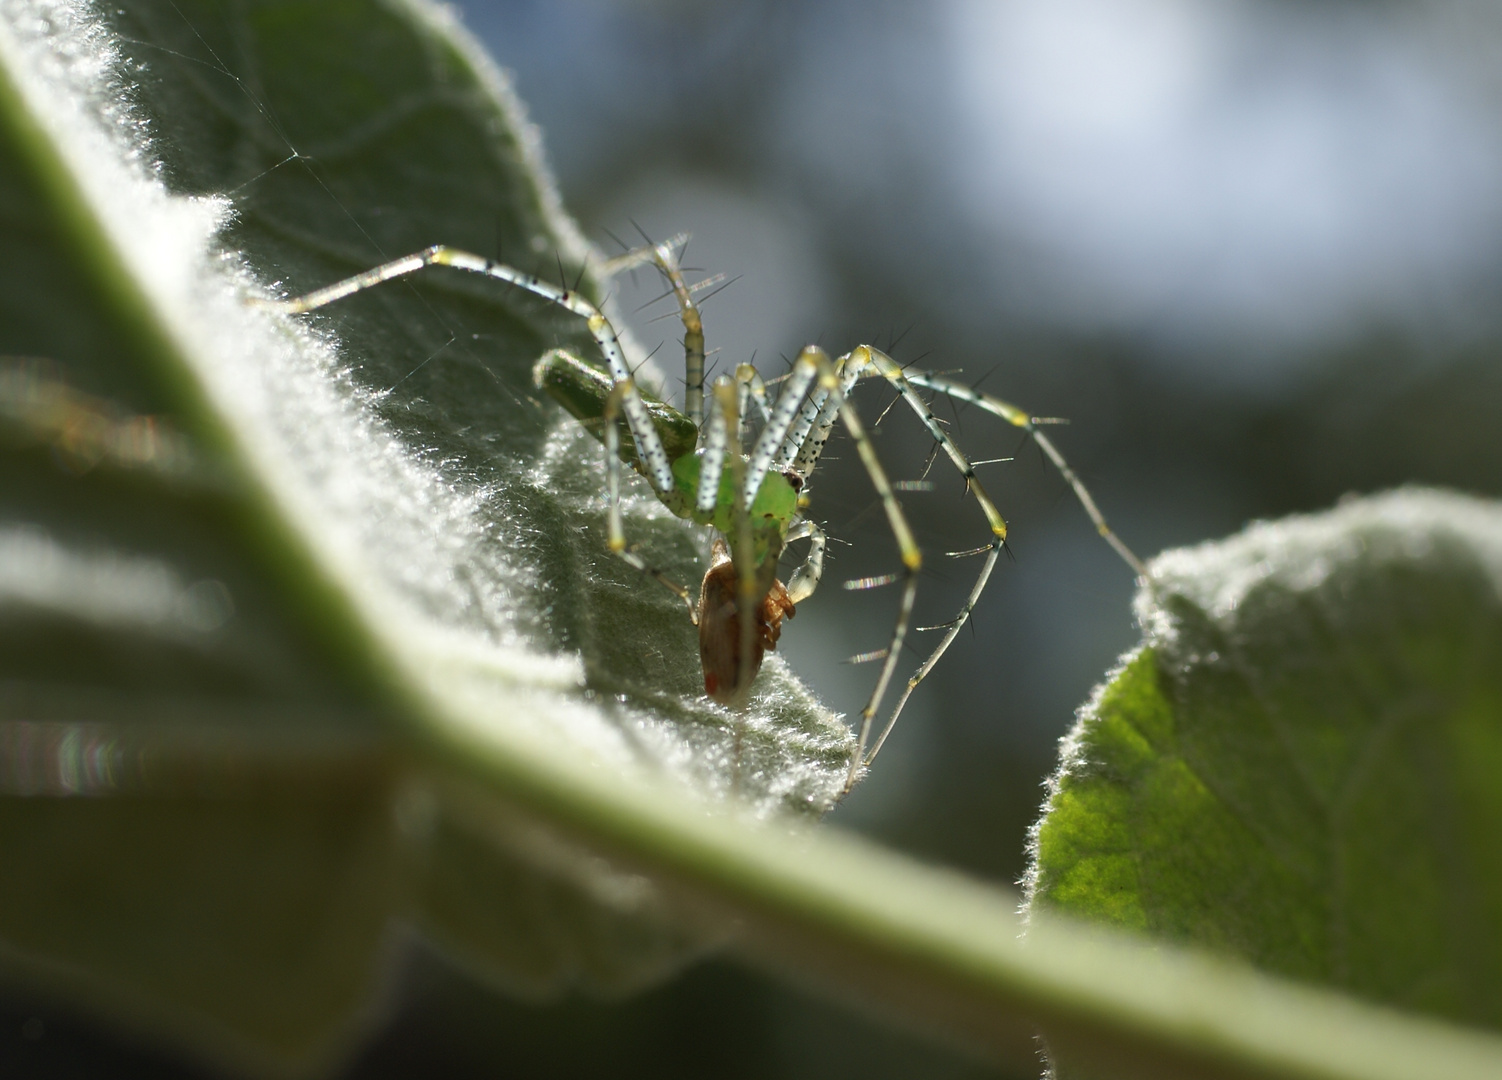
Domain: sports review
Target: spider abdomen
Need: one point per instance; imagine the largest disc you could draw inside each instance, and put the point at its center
(728, 670)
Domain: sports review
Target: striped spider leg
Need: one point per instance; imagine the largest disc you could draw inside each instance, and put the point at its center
(689, 464)
(696, 464)
(660, 434)
(871, 363)
(1019, 418)
(802, 444)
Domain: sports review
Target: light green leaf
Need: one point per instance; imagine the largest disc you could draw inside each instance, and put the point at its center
(1302, 765)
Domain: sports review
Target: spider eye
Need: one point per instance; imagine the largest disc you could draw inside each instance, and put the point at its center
(794, 479)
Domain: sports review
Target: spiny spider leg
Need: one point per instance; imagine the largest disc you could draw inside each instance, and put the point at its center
(651, 455)
(790, 406)
(615, 530)
(814, 421)
(629, 260)
(878, 363)
(1018, 418)
(664, 256)
(714, 440)
(805, 579)
(799, 428)
(624, 399)
(752, 391)
(866, 362)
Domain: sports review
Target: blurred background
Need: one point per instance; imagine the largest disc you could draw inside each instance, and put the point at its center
(1250, 249)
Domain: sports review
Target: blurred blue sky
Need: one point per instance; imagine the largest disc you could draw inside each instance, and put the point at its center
(1235, 181)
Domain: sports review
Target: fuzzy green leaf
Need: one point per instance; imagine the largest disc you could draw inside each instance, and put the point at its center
(235, 547)
(1302, 765)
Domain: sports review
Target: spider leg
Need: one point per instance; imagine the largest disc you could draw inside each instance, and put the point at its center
(781, 422)
(805, 579)
(912, 562)
(615, 530)
(752, 391)
(648, 253)
(814, 397)
(664, 256)
(866, 362)
(1018, 418)
(650, 452)
(748, 592)
(815, 418)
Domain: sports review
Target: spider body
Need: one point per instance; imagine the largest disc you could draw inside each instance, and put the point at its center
(698, 465)
(584, 392)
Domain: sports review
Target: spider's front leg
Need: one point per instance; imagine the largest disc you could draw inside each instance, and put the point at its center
(815, 397)
(596, 400)
(806, 578)
(664, 257)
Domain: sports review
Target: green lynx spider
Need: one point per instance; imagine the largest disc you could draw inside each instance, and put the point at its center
(752, 501)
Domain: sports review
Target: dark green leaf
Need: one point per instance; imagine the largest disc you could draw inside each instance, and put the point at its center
(1302, 765)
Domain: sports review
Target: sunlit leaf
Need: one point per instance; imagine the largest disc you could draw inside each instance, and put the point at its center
(1302, 765)
(236, 547)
